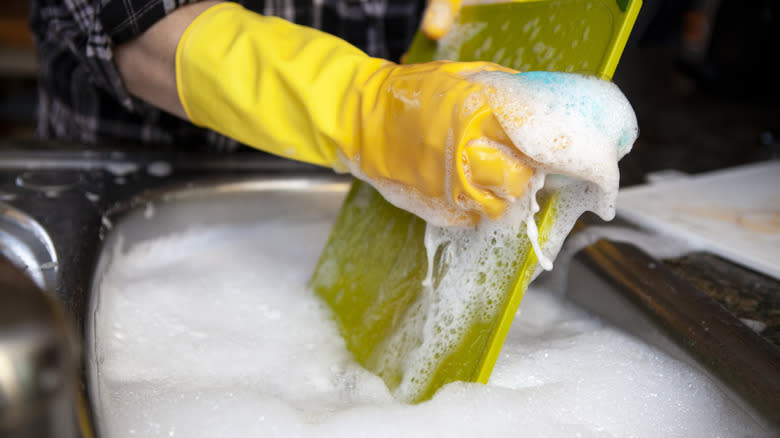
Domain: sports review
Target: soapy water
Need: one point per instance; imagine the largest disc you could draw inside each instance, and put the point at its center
(201, 334)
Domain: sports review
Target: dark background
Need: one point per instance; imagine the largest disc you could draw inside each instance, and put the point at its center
(700, 74)
(702, 77)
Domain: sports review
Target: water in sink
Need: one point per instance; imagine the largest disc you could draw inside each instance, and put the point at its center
(210, 331)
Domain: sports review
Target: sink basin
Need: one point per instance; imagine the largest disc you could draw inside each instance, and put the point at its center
(68, 225)
(209, 205)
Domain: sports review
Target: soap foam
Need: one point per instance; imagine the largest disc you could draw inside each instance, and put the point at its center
(200, 334)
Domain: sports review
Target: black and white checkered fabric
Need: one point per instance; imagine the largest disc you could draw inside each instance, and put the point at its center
(81, 95)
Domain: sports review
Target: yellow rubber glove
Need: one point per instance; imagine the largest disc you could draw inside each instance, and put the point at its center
(418, 133)
(439, 17)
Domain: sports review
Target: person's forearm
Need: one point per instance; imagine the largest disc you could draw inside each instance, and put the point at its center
(147, 63)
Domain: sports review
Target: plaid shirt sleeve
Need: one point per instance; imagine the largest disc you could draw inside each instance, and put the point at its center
(81, 94)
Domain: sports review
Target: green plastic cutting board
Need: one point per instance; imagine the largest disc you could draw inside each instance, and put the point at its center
(371, 270)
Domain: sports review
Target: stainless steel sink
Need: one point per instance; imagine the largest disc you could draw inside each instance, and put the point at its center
(67, 250)
(38, 349)
(27, 245)
(649, 303)
(56, 206)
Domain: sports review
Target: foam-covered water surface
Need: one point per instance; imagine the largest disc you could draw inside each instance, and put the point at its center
(211, 331)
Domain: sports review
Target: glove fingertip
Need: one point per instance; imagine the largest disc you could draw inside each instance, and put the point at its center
(438, 19)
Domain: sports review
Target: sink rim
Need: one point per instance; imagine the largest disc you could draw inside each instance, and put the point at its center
(29, 246)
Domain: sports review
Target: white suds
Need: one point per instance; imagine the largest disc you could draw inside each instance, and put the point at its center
(213, 332)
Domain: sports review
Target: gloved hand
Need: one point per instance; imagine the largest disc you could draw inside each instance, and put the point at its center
(439, 17)
(419, 132)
